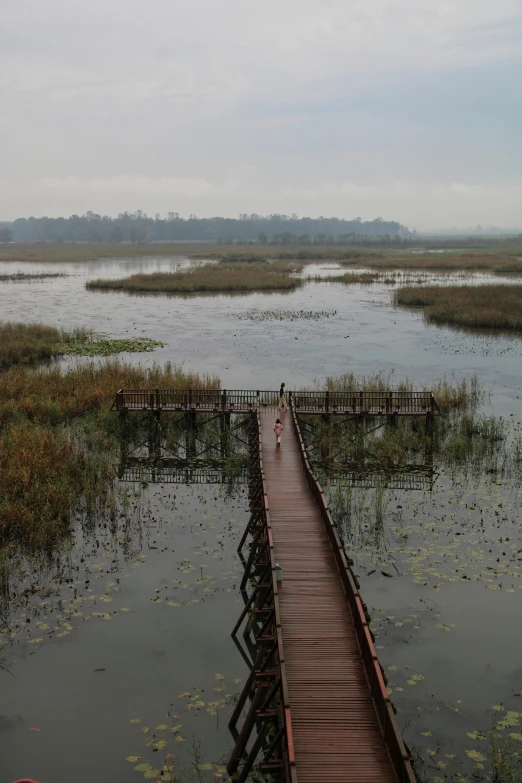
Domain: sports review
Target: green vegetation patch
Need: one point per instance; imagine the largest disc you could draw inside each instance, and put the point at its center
(482, 306)
(26, 343)
(100, 345)
(30, 343)
(231, 277)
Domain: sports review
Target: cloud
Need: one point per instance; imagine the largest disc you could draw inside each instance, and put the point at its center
(278, 98)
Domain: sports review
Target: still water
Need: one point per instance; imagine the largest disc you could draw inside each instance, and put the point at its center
(148, 613)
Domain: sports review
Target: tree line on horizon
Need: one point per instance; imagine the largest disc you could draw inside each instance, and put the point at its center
(141, 228)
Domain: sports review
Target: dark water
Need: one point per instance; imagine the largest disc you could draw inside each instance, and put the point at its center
(156, 621)
(448, 620)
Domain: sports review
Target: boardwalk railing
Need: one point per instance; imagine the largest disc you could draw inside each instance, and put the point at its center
(267, 688)
(401, 403)
(397, 750)
(193, 400)
(360, 402)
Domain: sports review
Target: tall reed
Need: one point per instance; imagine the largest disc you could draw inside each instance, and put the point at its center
(482, 306)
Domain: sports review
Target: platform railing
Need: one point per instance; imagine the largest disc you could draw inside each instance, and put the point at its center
(230, 400)
(399, 755)
(360, 402)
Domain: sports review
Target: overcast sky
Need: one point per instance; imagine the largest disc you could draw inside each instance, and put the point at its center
(405, 109)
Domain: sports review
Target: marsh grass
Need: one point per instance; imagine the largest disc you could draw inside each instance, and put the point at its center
(27, 344)
(492, 256)
(498, 263)
(462, 436)
(23, 276)
(230, 277)
(480, 306)
(350, 277)
(67, 252)
(58, 442)
(448, 393)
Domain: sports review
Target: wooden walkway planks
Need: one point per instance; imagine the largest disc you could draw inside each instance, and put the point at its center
(336, 731)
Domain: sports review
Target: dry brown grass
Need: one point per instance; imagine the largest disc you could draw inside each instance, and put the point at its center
(352, 277)
(58, 441)
(223, 277)
(482, 306)
(471, 262)
(65, 252)
(502, 260)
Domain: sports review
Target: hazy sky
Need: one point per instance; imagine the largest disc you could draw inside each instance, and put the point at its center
(407, 109)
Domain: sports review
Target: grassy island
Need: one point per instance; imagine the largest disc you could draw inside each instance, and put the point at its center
(482, 306)
(223, 277)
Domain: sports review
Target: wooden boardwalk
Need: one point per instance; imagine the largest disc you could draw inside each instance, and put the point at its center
(336, 732)
(314, 708)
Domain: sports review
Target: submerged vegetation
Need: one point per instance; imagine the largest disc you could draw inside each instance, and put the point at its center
(29, 343)
(58, 439)
(24, 276)
(285, 315)
(232, 277)
(481, 306)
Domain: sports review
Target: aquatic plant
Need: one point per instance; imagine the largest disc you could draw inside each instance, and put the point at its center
(351, 277)
(285, 315)
(58, 441)
(231, 277)
(22, 343)
(24, 276)
(482, 306)
(26, 343)
(92, 344)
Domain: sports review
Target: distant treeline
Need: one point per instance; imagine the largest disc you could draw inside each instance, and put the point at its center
(139, 227)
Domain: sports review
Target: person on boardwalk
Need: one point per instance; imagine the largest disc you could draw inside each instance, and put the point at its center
(278, 429)
(282, 406)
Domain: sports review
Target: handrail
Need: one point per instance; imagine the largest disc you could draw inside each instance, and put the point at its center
(355, 402)
(399, 756)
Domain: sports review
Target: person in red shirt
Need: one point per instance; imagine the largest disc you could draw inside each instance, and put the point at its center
(278, 429)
